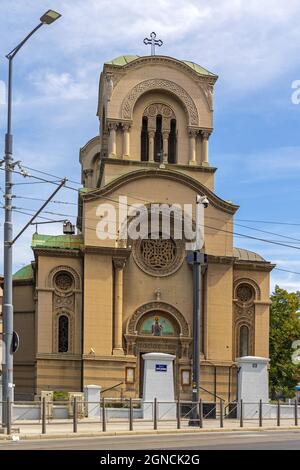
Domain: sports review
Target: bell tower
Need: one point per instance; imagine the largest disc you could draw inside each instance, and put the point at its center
(154, 111)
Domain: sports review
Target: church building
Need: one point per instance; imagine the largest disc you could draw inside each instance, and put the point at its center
(87, 307)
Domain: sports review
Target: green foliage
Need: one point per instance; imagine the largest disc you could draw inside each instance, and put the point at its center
(284, 329)
(60, 395)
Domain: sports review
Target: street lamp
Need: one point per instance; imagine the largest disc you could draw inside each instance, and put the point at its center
(197, 259)
(50, 16)
(7, 358)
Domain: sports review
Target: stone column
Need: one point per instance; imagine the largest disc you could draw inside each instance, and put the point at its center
(151, 135)
(165, 146)
(192, 157)
(119, 264)
(88, 175)
(112, 143)
(126, 140)
(205, 137)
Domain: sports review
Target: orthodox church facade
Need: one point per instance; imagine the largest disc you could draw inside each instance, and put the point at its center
(88, 307)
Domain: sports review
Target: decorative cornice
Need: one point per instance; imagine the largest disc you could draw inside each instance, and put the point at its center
(165, 174)
(254, 265)
(158, 59)
(59, 356)
(211, 259)
(61, 252)
(107, 250)
(23, 282)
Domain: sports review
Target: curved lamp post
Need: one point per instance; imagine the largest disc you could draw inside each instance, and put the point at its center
(7, 360)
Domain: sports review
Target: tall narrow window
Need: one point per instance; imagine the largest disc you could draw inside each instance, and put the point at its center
(244, 341)
(172, 142)
(158, 142)
(144, 140)
(63, 334)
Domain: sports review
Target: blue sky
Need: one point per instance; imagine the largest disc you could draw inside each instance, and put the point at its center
(256, 142)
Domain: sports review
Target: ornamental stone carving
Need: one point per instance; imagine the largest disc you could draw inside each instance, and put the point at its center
(63, 281)
(67, 270)
(158, 257)
(251, 284)
(244, 293)
(208, 91)
(141, 88)
(159, 108)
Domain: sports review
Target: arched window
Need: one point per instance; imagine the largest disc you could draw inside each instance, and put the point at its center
(158, 141)
(63, 334)
(172, 142)
(144, 140)
(244, 341)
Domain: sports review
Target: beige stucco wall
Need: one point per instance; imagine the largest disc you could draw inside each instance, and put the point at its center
(98, 298)
(171, 72)
(218, 331)
(218, 243)
(112, 171)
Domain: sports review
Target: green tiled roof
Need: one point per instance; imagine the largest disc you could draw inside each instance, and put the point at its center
(24, 273)
(66, 242)
(126, 59)
(197, 68)
(123, 60)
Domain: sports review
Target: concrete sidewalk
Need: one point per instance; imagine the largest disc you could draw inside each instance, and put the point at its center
(91, 428)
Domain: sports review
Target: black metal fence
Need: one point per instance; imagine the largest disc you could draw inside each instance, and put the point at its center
(46, 417)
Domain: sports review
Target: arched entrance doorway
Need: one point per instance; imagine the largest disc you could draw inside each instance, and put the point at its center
(158, 327)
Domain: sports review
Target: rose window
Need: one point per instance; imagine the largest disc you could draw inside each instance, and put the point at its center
(244, 293)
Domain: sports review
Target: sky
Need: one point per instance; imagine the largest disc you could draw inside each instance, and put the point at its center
(253, 47)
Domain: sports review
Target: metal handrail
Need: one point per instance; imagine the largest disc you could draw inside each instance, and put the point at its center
(111, 388)
(213, 394)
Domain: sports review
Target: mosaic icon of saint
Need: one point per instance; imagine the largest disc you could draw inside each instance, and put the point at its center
(157, 327)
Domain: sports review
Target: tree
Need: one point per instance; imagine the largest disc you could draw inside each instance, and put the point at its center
(284, 330)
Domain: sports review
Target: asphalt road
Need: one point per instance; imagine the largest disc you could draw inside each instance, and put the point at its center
(266, 440)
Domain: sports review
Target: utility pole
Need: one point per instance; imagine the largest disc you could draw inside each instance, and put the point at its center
(7, 360)
(197, 259)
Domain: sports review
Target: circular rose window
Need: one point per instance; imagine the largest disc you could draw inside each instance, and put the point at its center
(158, 257)
(244, 293)
(63, 281)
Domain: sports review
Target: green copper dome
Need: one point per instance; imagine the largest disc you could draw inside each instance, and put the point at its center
(126, 59)
(25, 272)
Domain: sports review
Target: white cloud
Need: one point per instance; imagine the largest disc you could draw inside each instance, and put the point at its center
(59, 85)
(247, 43)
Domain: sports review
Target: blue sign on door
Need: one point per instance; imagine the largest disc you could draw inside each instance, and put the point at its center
(161, 367)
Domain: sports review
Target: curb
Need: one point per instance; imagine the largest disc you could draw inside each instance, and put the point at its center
(153, 432)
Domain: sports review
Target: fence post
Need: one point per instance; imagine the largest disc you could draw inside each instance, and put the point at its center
(260, 410)
(296, 413)
(103, 415)
(8, 416)
(130, 415)
(155, 413)
(200, 413)
(75, 414)
(44, 415)
(178, 413)
(278, 413)
(241, 414)
(221, 414)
